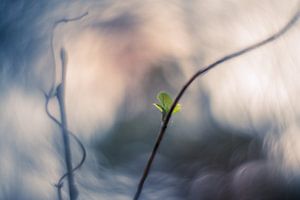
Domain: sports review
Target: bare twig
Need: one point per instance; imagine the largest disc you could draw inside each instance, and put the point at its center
(73, 192)
(74, 137)
(55, 25)
(59, 92)
(59, 184)
(190, 81)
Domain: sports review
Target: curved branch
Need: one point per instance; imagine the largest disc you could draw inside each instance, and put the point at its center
(55, 92)
(59, 184)
(228, 57)
(70, 133)
(55, 25)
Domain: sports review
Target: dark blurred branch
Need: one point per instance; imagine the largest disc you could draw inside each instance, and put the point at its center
(55, 25)
(71, 134)
(59, 184)
(190, 81)
(73, 192)
(59, 93)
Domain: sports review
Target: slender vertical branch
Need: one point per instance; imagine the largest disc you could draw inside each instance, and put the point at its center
(59, 184)
(191, 80)
(59, 93)
(55, 25)
(73, 192)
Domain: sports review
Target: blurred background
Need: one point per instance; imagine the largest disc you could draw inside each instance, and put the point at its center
(236, 138)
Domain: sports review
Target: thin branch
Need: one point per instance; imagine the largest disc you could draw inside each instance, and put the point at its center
(59, 184)
(73, 192)
(55, 25)
(190, 81)
(58, 92)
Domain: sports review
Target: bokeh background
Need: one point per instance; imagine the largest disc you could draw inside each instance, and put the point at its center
(236, 138)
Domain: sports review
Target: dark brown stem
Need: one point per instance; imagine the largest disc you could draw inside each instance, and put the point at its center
(190, 81)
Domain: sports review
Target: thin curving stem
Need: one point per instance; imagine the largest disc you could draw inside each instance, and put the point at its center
(59, 184)
(73, 192)
(202, 71)
(59, 93)
(55, 25)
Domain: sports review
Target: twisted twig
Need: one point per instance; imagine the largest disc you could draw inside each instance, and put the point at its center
(190, 81)
(59, 184)
(58, 92)
(55, 25)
